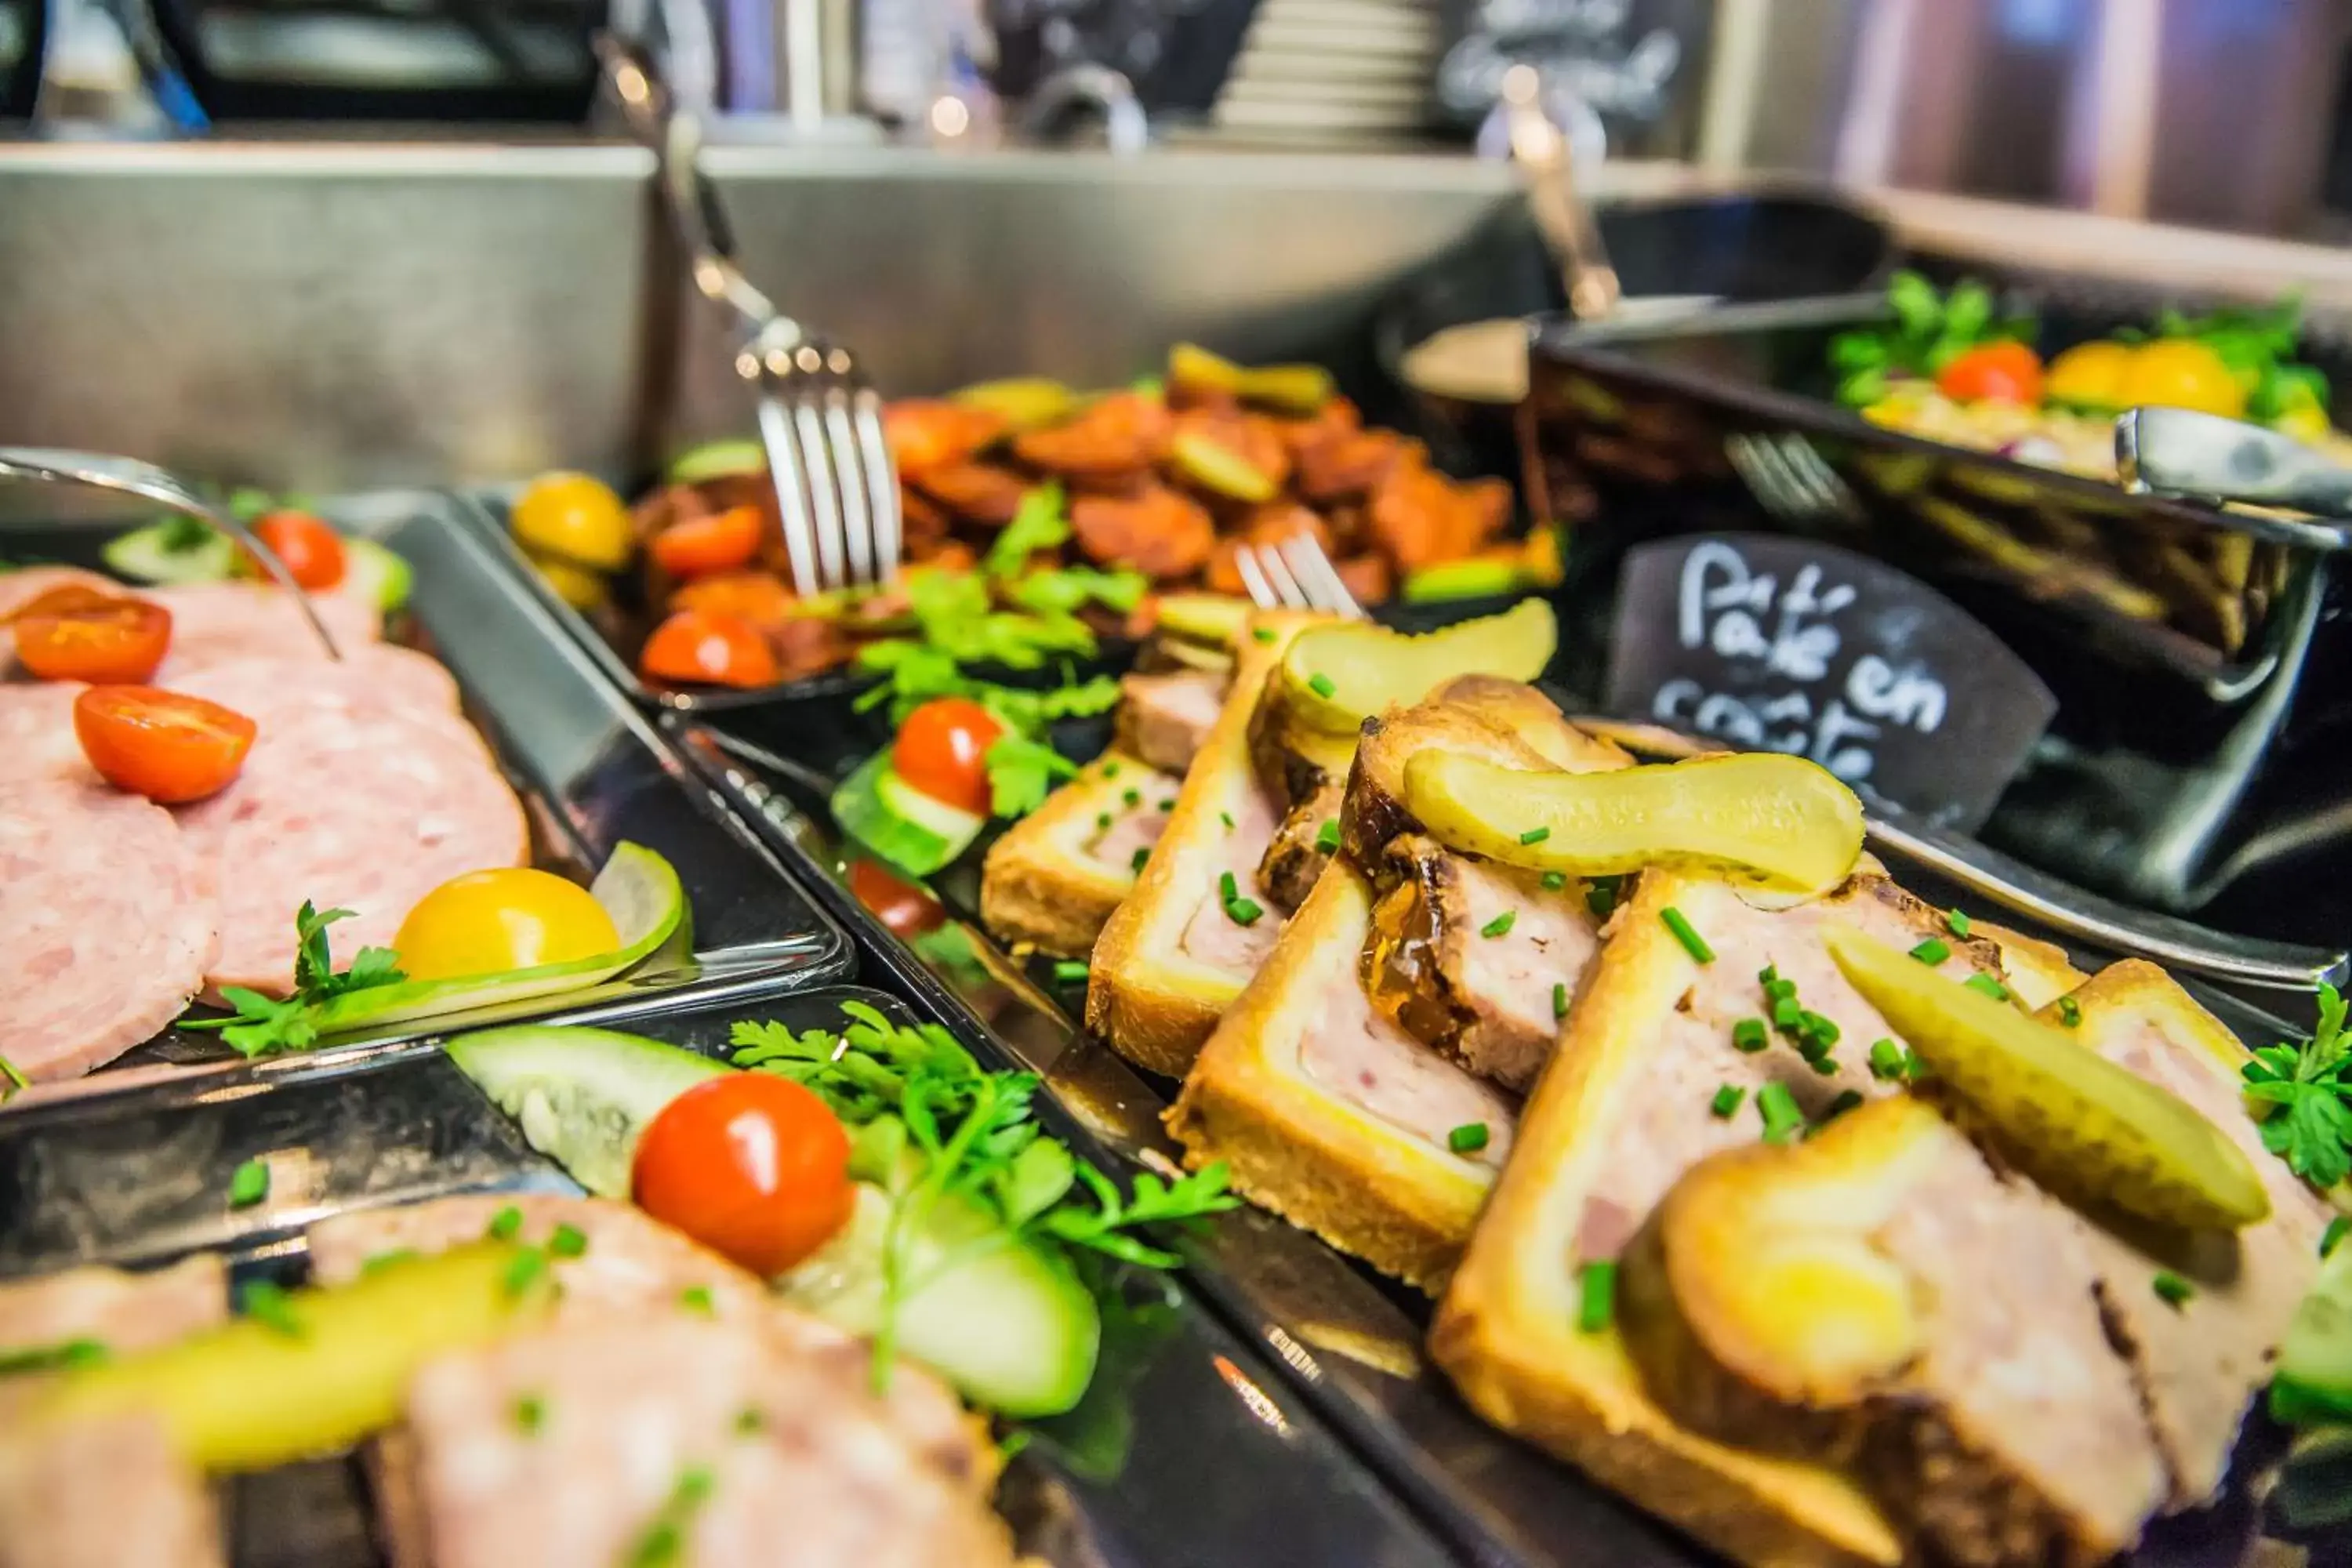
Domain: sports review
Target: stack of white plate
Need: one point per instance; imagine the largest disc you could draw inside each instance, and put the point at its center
(1335, 70)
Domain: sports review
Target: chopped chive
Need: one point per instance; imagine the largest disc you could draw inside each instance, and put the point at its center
(530, 1415)
(385, 1259)
(1132, 796)
(14, 1077)
(271, 1307)
(2334, 1233)
(1785, 1013)
(1167, 804)
(1320, 685)
(1844, 1102)
(1558, 999)
(1779, 1109)
(1825, 1030)
(748, 1420)
(61, 1357)
(524, 1272)
(1535, 836)
(2070, 1012)
(1553, 881)
(1229, 887)
(1596, 1307)
(1769, 976)
(1776, 988)
(1140, 856)
(2171, 1288)
(1727, 1100)
(1070, 970)
(696, 1298)
(1601, 897)
(506, 1225)
(1327, 837)
(1986, 986)
(1102, 820)
(1913, 1067)
(1823, 1064)
(1501, 924)
(1693, 943)
(1748, 1035)
(1110, 770)
(1263, 633)
(1958, 922)
(1245, 912)
(569, 1241)
(248, 1183)
(1468, 1138)
(1227, 818)
(1886, 1059)
(1935, 950)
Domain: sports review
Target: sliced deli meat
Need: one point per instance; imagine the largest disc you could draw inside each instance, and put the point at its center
(36, 732)
(21, 586)
(112, 922)
(370, 677)
(107, 1492)
(213, 623)
(367, 810)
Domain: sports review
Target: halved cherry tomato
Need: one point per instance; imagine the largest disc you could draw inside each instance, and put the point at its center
(942, 750)
(699, 645)
(898, 904)
(309, 547)
(751, 1165)
(76, 633)
(701, 545)
(2005, 371)
(166, 746)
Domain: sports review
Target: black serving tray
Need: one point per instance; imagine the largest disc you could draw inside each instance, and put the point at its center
(1349, 1340)
(2199, 655)
(1189, 1450)
(591, 771)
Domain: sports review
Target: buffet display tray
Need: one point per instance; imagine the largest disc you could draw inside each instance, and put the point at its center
(590, 772)
(1188, 1449)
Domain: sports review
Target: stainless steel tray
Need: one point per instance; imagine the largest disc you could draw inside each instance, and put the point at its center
(590, 772)
(1351, 1341)
(1189, 1449)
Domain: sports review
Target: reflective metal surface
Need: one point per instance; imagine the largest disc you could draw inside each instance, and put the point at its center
(590, 773)
(2202, 456)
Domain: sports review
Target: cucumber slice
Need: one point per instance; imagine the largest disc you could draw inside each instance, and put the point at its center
(718, 460)
(583, 1097)
(1011, 1327)
(1479, 577)
(910, 830)
(379, 574)
(2314, 1383)
(173, 550)
(637, 888)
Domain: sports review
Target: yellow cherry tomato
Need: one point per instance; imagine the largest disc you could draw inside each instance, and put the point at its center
(485, 922)
(2089, 376)
(2180, 373)
(575, 517)
(576, 585)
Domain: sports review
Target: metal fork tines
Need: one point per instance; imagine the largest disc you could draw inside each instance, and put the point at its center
(1790, 479)
(1295, 574)
(819, 417)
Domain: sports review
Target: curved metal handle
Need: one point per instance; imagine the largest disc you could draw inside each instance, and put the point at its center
(2180, 452)
(129, 477)
(1563, 217)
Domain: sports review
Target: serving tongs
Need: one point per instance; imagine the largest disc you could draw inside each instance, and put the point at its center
(819, 417)
(2069, 910)
(129, 477)
(2204, 457)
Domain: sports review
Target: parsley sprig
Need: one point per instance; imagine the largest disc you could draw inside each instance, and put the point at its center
(262, 1025)
(2304, 1095)
(929, 1123)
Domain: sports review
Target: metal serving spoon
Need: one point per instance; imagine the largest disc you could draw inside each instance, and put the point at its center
(129, 477)
(2179, 452)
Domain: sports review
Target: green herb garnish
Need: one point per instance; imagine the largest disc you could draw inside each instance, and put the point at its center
(663, 1544)
(569, 1241)
(2305, 1093)
(1327, 837)
(505, 1224)
(529, 1263)
(1070, 972)
(1601, 897)
(1935, 950)
(1553, 881)
(2171, 1288)
(1022, 771)
(1957, 921)
(262, 1025)
(1559, 1000)
(1500, 925)
(248, 1183)
(61, 1357)
(2070, 1012)
(1986, 986)
(1468, 1138)
(1321, 685)
(2333, 1234)
(1693, 943)
(11, 1081)
(1779, 1109)
(1262, 634)
(1748, 1035)
(1535, 836)
(1727, 1100)
(696, 1298)
(530, 1414)
(1886, 1059)
(271, 1306)
(1596, 1297)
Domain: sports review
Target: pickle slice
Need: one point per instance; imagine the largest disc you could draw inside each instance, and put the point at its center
(1215, 619)
(2077, 1123)
(1191, 368)
(330, 1368)
(1778, 821)
(1214, 466)
(1023, 403)
(1298, 389)
(1336, 677)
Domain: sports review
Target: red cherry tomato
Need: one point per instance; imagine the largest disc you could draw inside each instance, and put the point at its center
(702, 647)
(1994, 373)
(76, 633)
(898, 904)
(942, 750)
(701, 545)
(166, 746)
(751, 1165)
(309, 547)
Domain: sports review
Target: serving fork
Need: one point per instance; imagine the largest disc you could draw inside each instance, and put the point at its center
(1295, 574)
(145, 481)
(820, 417)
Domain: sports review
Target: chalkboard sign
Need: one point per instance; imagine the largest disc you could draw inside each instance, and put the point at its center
(1774, 644)
(1638, 63)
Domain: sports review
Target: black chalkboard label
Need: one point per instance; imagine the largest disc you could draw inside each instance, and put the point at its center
(1772, 644)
